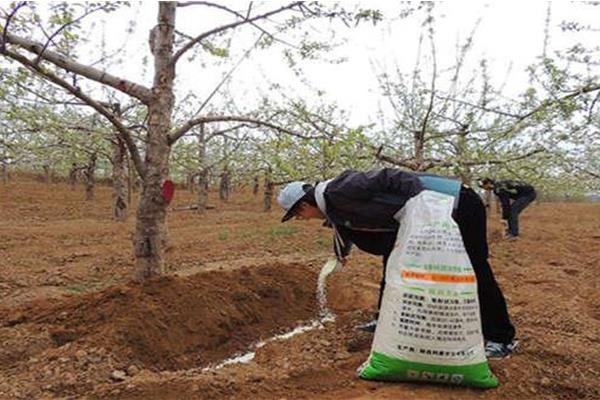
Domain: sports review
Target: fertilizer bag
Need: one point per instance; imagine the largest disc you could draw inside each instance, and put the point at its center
(429, 326)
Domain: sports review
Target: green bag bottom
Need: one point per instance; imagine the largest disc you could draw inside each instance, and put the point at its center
(384, 368)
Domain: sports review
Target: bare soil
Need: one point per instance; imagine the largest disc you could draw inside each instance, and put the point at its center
(73, 326)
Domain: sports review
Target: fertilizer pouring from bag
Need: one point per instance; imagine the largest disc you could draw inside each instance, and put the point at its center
(330, 266)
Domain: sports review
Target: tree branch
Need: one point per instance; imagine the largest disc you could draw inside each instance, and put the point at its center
(590, 173)
(237, 14)
(178, 133)
(432, 162)
(306, 117)
(420, 137)
(223, 132)
(463, 102)
(133, 89)
(39, 57)
(402, 163)
(504, 161)
(227, 76)
(125, 133)
(546, 104)
(8, 20)
(223, 28)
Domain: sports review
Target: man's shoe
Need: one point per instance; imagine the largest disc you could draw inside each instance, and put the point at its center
(500, 350)
(368, 327)
(510, 237)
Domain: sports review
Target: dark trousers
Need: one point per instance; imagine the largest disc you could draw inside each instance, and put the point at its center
(471, 220)
(515, 209)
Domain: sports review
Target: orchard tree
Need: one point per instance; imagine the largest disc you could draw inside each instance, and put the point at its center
(63, 136)
(54, 57)
(575, 66)
(466, 127)
(281, 158)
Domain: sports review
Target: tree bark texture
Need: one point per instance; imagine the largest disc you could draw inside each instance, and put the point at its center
(5, 176)
(202, 172)
(73, 176)
(47, 173)
(224, 186)
(255, 186)
(90, 178)
(419, 150)
(151, 232)
(268, 197)
(119, 179)
(131, 175)
(202, 191)
(463, 170)
(190, 182)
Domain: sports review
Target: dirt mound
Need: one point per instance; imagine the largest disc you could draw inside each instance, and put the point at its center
(182, 322)
(133, 342)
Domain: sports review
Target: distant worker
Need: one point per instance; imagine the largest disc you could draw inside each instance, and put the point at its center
(360, 208)
(514, 197)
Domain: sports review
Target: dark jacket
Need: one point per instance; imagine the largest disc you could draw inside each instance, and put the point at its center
(362, 205)
(511, 190)
(369, 200)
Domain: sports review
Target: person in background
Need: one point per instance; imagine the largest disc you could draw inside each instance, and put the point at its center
(514, 197)
(359, 207)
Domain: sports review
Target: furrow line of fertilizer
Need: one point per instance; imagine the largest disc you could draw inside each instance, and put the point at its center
(325, 315)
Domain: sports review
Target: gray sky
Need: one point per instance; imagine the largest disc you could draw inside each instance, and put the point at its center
(510, 35)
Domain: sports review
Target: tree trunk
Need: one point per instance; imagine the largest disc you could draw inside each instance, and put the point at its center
(131, 175)
(269, 186)
(255, 186)
(190, 182)
(202, 191)
(136, 184)
(224, 186)
(47, 174)
(224, 178)
(487, 200)
(119, 177)
(90, 179)
(5, 176)
(419, 151)
(151, 233)
(463, 170)
(465, 174)
(73, 176)
(498, 205)
(202, 172)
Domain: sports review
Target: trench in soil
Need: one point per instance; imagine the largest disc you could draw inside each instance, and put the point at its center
(175, 323)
